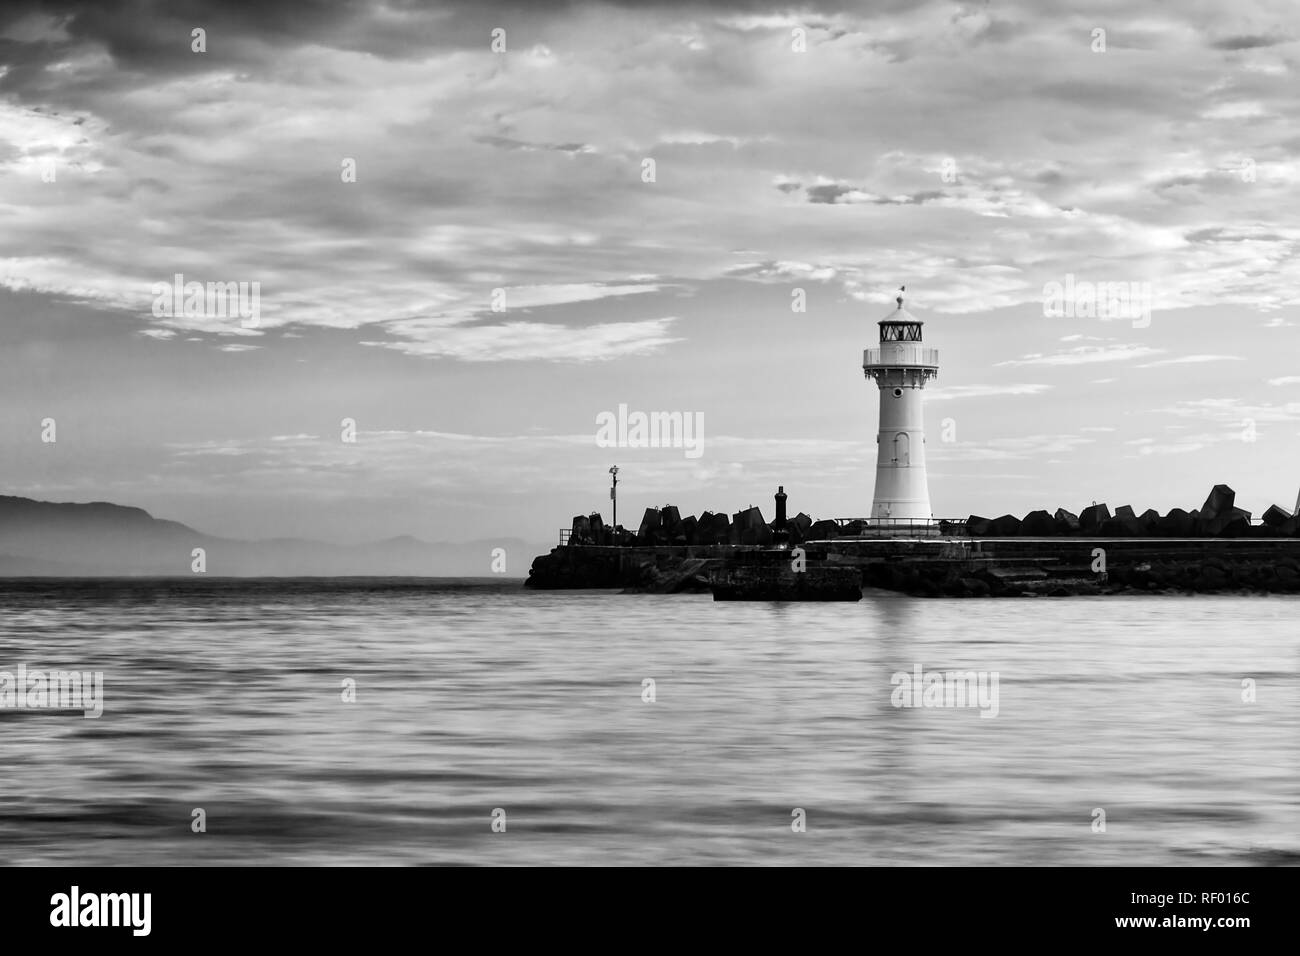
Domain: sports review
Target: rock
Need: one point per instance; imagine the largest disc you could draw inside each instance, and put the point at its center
(1289, 528)
(977, 527)
(580, 532)
(1220, 502)
(1123, 526)
(671, 520)
(1150, 520)
(798, 527)
(1125, 511)
(823, 529)
(1176, 524)
(1005, 526)
(1038, 524)
(690, 529)
(1275, 516)
(855, 527)
(1092, 517)
(749, 527)
(1212, 578)
(1067, 522)
(1233, 523)
(650, 525)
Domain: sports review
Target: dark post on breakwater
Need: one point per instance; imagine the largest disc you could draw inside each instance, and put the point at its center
(1217, 547)
(780, 526)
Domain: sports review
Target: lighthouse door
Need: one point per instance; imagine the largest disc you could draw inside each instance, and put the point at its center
(901, 455)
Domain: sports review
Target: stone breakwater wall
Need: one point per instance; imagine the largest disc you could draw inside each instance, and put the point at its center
(1015, 567)
(1218, 517)
(957, 567)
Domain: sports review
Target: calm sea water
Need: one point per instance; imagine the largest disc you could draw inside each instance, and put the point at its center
(471, 696)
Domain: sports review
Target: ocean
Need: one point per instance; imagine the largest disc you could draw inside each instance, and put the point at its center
(488, 724)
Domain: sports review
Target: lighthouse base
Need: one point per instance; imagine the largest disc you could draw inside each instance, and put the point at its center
(903, 512)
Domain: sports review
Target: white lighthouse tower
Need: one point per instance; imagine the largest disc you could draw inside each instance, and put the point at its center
(900, 366)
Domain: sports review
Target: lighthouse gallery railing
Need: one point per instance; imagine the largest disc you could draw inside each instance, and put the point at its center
(928, 357)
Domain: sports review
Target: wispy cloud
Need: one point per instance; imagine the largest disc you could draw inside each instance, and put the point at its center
(948, 393)
(1086, 355)
(1192, 359)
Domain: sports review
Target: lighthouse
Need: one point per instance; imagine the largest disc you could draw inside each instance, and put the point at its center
(900, 366)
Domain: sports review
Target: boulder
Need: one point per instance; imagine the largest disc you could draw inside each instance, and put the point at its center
(795, 529)
(977, 527)
(1220, 502)
(1067, 522)
(823, 529)
(1038, 524)
(580, 531)
(1005, 526)
(671, 519)
(748, 527)
(651, 522)
(1177, 524)
(690, 529)
(1092, 517)
(1123, 526)
(1275, 516)
(1125, 511)
(721, 533)
(855, 527)
(1150, 520)
(1232, 523)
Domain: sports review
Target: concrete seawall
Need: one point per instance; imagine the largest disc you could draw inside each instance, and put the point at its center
(965, 567)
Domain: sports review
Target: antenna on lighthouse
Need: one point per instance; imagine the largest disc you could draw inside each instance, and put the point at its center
(899, 300)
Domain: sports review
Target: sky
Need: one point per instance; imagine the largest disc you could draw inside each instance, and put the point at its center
(461, 250)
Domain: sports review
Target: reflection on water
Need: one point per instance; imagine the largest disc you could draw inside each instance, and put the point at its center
(226, 696)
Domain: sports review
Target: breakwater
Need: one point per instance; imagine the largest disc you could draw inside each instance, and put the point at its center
(1214, 548)
(954, 567)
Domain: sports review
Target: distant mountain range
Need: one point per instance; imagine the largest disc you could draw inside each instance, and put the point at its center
(44, 538)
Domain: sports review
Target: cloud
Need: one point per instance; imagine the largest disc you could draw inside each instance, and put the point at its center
(948, 393)
(1192, 359)
(1086, 355)
(1248, 42)
(519, 341)
(537, 182)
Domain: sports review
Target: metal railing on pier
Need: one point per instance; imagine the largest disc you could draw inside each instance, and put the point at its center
(874, 526)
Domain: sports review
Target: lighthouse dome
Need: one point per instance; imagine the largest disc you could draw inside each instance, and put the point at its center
(900, 326)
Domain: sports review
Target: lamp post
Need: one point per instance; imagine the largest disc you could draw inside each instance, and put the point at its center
(613, 494)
